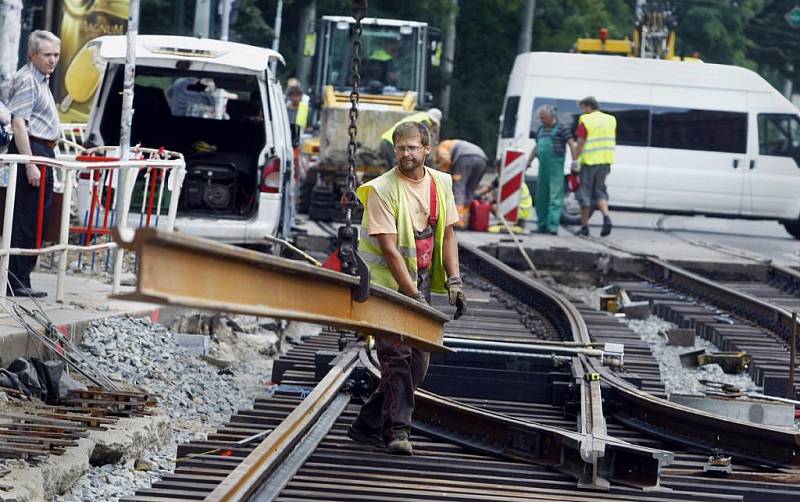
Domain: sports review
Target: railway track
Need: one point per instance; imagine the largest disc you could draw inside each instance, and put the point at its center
(516, 413)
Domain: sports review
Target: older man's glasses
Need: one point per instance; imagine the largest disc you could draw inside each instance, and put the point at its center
(409, 149)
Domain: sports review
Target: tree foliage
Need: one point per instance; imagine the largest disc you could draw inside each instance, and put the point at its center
(717, 31)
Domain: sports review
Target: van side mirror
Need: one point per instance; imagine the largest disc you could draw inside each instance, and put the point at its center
(295, 129)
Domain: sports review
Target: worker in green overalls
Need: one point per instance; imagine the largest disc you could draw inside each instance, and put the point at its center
(552, 139)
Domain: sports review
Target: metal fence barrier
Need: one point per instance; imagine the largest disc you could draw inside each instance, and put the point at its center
(163, 171)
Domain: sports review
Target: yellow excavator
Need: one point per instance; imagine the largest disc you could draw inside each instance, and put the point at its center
(396, 57)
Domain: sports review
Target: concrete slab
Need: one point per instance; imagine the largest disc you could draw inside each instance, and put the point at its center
(87, 299)
(123, 442)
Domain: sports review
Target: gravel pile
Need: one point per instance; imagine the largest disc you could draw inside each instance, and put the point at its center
(193, 392)
(676, 378)
(197, 395)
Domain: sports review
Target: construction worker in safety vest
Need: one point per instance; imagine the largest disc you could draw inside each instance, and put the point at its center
(431, 118)
(408, 242)
(383, 60)
(466, 162)
(297, 108)
(596, 138)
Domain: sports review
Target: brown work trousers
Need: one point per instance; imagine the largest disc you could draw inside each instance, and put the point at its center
(388, 410)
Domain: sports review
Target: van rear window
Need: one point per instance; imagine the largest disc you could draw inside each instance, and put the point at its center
(510, 116)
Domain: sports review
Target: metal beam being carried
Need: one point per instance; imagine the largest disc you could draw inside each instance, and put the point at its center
(193, 272)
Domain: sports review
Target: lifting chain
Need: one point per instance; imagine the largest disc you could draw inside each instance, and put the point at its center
(349, 201)
(351, 262)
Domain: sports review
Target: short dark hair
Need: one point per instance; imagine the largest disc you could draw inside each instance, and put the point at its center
(409, 129)
(589, 102)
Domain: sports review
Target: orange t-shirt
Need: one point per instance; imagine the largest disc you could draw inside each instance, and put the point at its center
(418, 194)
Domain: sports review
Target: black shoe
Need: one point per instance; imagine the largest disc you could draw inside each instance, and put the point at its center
(552, 232)
(359, 435)
(28, 292)
(583, 231)
(606, 227)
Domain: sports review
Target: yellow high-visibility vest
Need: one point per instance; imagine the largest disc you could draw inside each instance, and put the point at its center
(417, 117)
(388, 188)
(381, 55)
(601, 138)
(525, 211)
(301, 118)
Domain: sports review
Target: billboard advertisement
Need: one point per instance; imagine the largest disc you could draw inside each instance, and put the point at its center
(82, 21)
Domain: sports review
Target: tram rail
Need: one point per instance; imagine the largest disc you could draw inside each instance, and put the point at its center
(605, 464)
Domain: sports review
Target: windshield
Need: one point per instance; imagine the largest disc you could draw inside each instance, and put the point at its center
(389, 59)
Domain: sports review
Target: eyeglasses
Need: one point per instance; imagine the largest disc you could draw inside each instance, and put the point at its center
(410, 149)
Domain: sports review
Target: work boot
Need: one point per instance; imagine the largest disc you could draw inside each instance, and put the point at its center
(606, 226)
(400, 445)
(584, 230)
(361, 435)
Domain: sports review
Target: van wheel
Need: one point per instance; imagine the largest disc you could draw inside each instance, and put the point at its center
(793, 227)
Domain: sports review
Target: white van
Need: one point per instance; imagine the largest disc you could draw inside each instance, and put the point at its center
(219, 104)
(692, 138)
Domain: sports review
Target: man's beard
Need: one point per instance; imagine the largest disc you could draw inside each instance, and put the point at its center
(409, 166)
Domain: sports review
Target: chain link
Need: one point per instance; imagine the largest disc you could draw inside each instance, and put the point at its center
(359, 10)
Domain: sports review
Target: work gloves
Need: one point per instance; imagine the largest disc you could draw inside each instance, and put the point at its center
(418, 296)
(575, 167)
(456, 296)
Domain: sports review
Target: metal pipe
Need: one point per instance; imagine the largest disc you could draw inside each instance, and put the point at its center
(792, 353)
(125, 134)
(63, 238)
(8, 222)
(459, 343)
(511, 353)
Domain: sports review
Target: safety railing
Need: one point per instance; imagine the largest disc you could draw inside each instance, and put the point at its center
(72, 140)
(94, 173)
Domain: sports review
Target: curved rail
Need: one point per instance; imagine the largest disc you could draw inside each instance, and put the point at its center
(638, 409)
(768, 315)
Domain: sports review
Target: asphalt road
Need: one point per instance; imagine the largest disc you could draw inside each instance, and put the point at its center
(767, 239)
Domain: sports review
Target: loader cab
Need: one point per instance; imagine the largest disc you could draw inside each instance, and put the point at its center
(219, 105)
(395, 57)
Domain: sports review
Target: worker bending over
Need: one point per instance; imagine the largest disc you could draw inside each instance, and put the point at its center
(407, 239)
(466, 162)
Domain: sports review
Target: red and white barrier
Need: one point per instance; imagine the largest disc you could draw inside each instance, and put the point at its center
(512, 176)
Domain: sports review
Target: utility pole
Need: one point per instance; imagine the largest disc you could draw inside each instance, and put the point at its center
(276, 42)
(226, 19)
(448, 57)
(202, 19)
(526, 34)
(127, 177)
(10, 24)
(304, 31)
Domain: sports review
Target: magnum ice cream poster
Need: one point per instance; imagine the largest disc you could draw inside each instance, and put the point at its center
(83, 21)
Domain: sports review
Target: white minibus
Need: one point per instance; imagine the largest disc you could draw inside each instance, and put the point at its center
(692, 138)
